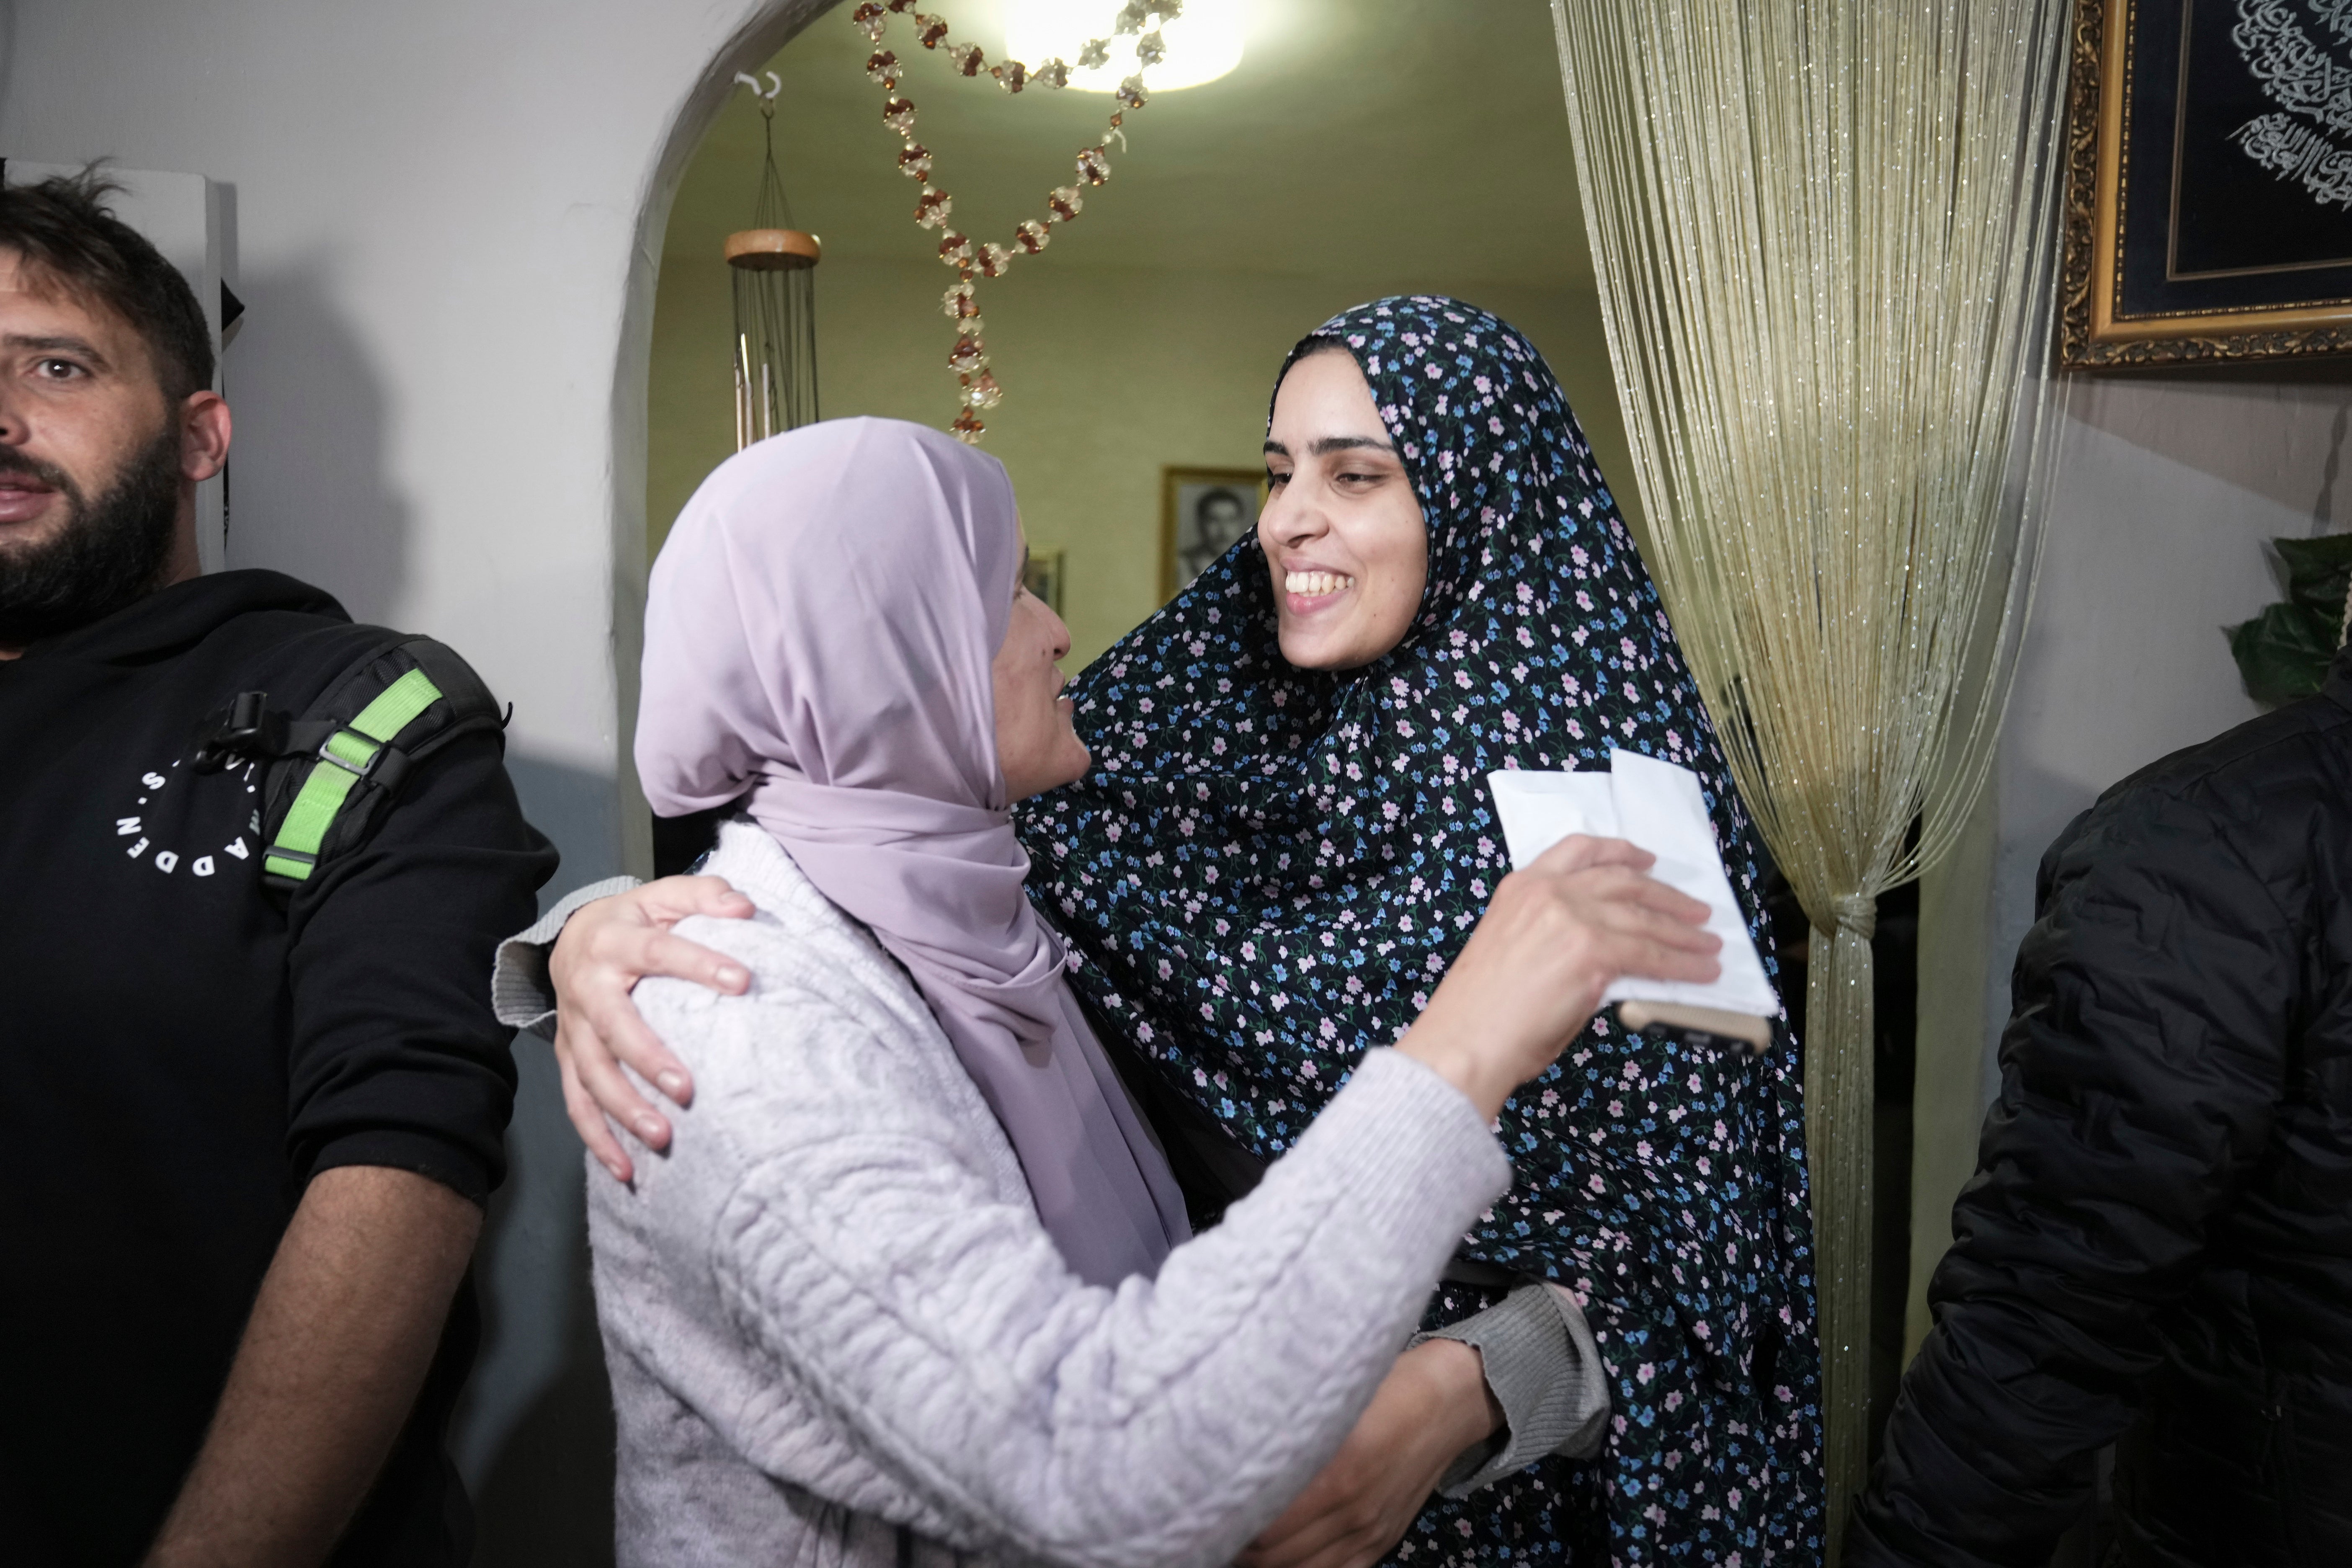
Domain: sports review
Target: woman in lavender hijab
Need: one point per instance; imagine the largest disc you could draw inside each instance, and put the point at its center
(911, 1279)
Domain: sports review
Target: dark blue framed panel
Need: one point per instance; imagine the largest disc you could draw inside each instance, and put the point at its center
(2209, 201)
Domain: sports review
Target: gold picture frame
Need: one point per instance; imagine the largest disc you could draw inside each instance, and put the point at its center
(2153, 100)
(1190, 541)
(1045, 574)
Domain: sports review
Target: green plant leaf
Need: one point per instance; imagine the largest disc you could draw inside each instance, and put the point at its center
(2283, 654)
(2318, 571)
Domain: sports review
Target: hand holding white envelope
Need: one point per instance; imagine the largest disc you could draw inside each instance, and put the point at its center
(1659, 807)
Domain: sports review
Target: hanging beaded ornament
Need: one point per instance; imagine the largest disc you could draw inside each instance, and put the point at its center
(976, 386)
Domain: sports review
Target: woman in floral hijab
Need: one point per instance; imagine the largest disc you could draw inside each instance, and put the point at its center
(1269, 869)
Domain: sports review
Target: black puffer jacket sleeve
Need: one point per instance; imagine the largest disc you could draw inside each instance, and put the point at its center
(2140, 1072)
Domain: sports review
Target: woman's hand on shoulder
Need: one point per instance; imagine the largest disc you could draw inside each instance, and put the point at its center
(1553, 938)
(604, 949)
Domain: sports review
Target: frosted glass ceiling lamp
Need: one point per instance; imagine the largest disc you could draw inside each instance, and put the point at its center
(774, 269)
(1203, 44)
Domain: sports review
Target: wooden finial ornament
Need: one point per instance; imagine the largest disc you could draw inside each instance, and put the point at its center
(773, 249)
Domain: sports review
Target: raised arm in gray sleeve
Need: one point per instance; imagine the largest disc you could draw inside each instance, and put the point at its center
(1543, 1369)
(520, 989)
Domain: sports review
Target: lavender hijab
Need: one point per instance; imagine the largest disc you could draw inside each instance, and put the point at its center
(818, 638)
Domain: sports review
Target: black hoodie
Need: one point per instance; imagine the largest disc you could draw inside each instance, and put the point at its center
(180, 1053)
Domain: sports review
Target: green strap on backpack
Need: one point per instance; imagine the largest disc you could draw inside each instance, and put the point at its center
(326, 780)
(352, 752)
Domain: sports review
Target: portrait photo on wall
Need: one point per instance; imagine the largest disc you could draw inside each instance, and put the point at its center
(1203, 513)
(1044, 576)
(2209, 201)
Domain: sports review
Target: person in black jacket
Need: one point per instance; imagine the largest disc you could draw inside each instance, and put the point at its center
(2156, 1250)
(245, 1133)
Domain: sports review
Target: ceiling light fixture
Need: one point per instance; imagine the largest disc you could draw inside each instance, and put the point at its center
(1203, 44)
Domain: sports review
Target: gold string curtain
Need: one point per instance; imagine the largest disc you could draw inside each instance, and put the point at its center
(1820, 229)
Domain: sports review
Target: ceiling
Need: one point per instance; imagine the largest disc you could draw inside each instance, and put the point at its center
(1396, 137)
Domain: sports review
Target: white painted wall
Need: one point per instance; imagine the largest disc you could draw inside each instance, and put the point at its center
(449, 215)
(2167, 490)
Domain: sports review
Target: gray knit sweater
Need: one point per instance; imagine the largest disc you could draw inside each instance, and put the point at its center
(1540, 1362)
(838, 1334)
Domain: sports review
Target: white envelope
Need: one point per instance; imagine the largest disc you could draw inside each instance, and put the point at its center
(1660, 807)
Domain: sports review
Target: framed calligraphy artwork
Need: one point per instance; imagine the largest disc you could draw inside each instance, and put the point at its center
(2209, 182)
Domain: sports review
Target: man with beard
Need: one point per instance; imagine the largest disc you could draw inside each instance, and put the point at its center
(254, 1093)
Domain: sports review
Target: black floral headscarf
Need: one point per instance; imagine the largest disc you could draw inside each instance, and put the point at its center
(1268, 869)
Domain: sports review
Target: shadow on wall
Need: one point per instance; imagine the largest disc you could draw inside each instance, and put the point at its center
(2273, 428)
(294, 504)
(543, 1483)
(534, 1435)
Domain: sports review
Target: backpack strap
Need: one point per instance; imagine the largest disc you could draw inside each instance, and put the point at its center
(348, 755)
(334, 768)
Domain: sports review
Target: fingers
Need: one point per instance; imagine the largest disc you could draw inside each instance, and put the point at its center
(1578, 856)
(1627, 883)
(1544, 910)
(1306, 1520)
(1581, 851)
(616, 957)
(1651, 958)
(621, 1032)
(1672, 902)
(589, 1121)
(660, 953)
(599, 988)
(1334, 1502)
(1360, 1549)
(673, 899)
(1334, 1540)
(1625, 939)
(1332, 1535)
(1590, 894)
(1643, 913)
(601, 1076)
(1582, 869)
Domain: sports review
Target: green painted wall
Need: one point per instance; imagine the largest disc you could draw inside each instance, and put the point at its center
(1108, 376)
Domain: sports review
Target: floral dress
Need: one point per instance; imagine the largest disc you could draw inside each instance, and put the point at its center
(1268, 869)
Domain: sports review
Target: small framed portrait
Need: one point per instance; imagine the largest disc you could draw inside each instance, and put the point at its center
(1203, 513)
(1043, 576)
(2209, 182)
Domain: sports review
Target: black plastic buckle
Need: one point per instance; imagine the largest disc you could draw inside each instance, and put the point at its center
(245, 717)
(242, 731)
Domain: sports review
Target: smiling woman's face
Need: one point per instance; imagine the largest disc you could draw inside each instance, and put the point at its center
(1342, 531)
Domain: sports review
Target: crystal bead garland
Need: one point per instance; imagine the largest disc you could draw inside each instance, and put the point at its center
(976, 387)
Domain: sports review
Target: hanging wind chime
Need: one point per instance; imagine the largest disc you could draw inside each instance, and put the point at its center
(774, 269)
(976, 386)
